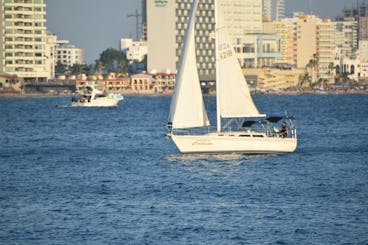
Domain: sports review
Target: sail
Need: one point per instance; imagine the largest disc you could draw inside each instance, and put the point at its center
(187, 107)
(234, 96)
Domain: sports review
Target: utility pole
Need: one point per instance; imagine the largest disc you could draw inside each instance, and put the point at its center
(136, 15)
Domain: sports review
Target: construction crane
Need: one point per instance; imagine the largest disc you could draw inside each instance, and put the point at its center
(136, 15)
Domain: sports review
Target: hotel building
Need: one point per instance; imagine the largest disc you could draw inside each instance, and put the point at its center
(23, 49)
(167, 21)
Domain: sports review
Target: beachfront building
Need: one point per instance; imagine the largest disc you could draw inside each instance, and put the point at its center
(135, 51)
(347, 37)
(68, 54)
(357, 68)
(141, 83)
(23, 39)
(307, 42)
(163, 82)
(167, 21)
(286, 30)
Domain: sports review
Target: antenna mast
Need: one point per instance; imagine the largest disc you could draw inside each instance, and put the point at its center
(136, 15)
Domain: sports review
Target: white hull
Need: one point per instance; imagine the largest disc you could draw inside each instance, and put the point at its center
(99, 102)
(233, 142)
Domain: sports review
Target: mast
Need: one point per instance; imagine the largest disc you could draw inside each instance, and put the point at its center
(218, 116)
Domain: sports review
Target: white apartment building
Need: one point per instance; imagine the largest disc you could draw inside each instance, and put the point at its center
(68, 54)
(134, 50)
(167, 21)
(23, 39)
(347, 37)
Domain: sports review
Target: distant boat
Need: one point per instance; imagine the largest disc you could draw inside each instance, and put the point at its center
(89, 96)
(246, 130)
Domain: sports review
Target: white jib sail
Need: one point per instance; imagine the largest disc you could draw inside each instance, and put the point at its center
(234, 96)
(187, 108)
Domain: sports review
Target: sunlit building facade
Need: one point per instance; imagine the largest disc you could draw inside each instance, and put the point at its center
(273, 10)
(167, 21)
(68, 54)
(23, 49)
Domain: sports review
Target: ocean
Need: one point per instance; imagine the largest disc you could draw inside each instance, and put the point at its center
(109, 176)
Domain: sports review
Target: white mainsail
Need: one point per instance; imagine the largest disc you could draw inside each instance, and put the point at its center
(234, 96)
(187, 107)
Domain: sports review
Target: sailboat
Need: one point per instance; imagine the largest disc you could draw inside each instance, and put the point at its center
(245, 130)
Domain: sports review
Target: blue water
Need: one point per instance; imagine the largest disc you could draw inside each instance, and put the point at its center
(108, 176)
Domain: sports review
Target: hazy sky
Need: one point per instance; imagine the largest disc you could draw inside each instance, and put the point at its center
(96, 25)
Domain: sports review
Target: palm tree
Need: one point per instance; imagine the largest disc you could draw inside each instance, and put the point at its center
(331, 68)
(312, 65)
(304, 78)
(99, 65)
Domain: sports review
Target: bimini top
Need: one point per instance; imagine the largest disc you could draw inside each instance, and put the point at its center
(275, 119)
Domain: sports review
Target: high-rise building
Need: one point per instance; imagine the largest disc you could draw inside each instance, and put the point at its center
(167, 21)
(23, 49)
(273, 10)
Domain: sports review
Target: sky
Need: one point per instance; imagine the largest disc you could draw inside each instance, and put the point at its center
(95, 25)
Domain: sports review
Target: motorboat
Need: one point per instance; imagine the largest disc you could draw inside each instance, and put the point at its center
(90, 96)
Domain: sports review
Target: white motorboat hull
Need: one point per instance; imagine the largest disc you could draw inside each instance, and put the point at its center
(233, 143)
(99, 102)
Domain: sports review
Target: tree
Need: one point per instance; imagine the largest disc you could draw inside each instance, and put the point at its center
(60, 68)
(111, 58)
(77, 69)
(312, 66)
(304, 78)
(98, 65)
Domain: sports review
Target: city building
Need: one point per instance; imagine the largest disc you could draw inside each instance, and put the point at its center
(307, 42)
(163, 82)
(109, 84)
(273, 10)
(363, 21)
(23, 39)
(347, 37)
(135, 50)
(51, 42)
(68, 54)
(144, 21)
(357, 68)
(141, 83)
(167, 21)
(286, 30)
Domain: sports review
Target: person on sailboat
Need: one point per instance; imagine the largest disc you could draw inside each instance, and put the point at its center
(284, 130)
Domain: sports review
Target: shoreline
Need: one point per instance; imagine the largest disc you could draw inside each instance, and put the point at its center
(45, 95)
